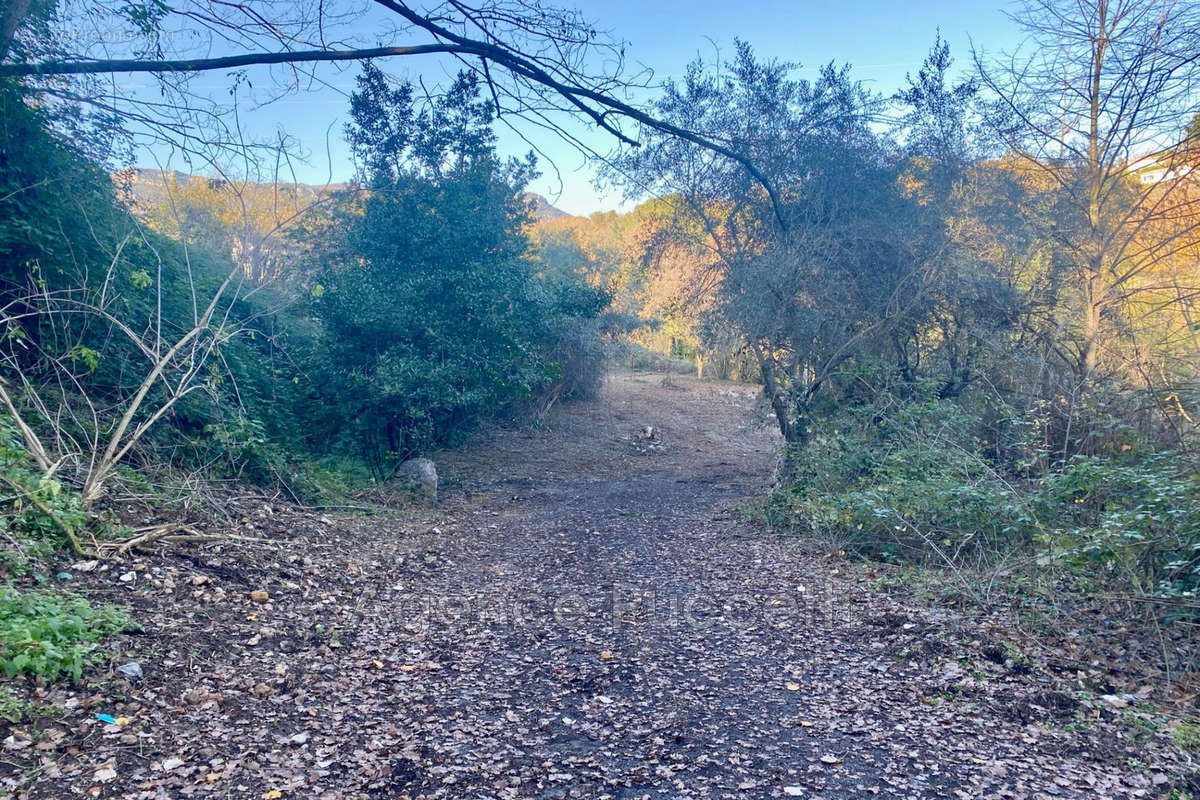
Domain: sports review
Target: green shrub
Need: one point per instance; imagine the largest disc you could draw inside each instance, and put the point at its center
(1187, 737)
(431, 315)
(35, 510)
(47, 635)
(1137, 516)
(13, 708)
(905, 484)
(916, 482)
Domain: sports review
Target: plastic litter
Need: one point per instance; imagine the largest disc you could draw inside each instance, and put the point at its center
(132, 670)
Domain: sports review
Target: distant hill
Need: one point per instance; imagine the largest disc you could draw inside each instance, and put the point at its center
(542, 210)
(148, 188)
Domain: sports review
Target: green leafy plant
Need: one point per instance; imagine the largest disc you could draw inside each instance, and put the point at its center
(1187, 737)
(38, 513)
(1137, 517)
(908, 484)
(13, 708)
(432, 316)
(916, 482)
(50, 635)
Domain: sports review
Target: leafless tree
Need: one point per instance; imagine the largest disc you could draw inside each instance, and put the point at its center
(89, 430)
(247, 221)
(1097, 102)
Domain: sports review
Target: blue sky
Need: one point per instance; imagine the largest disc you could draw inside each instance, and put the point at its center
(882, 40)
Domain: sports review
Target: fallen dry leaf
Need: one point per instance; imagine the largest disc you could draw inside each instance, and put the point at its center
(513, 690)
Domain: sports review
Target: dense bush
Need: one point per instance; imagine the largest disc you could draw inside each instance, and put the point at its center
(921, 482)
(42, 633)
(413, 310)
(906, 481)
(1136, 517)
(89, 296)
(38, 513)
(432, 316)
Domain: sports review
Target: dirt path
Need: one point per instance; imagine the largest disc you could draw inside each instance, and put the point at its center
(587, 615)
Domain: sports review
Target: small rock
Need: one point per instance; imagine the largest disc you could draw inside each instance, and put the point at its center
(171, 763)
(263, 690)
(794, 791)
(128, 577)
(132, 670)
(1116, 700)
(259, 596)
(419, 475)
(299, 738)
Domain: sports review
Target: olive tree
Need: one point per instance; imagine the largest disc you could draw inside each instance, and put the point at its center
(822, 281)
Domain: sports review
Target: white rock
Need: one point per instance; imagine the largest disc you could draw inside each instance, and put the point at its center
(1117, 700)
(420, 476)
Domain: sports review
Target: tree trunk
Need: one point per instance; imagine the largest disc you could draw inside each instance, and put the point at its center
(774, 393)
(1093, 292)
(1093, 302)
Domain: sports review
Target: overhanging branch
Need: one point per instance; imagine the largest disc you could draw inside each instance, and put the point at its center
(579, 95)
(598, 106)
(225, 62)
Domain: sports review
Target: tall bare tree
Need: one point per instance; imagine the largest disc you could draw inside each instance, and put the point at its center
(1097, 102)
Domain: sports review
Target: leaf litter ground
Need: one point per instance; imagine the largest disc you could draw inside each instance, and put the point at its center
(586, 614)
